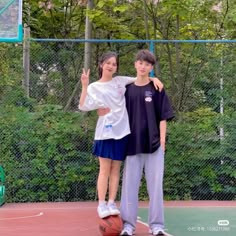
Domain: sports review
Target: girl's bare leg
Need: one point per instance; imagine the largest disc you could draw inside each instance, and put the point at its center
(104, 173)
(114, 179)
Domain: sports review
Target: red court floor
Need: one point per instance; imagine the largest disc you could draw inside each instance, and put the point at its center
(52, 219)
(64, 219)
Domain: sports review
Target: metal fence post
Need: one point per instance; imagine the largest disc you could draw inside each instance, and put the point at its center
(151, 48)
(26, 59)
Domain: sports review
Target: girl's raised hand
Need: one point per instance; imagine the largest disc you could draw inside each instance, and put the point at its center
(85, 77)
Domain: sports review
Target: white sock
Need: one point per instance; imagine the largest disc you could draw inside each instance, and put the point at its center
(110, 201)
(101, 203)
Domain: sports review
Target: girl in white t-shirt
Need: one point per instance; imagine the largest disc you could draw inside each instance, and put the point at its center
(111, 129)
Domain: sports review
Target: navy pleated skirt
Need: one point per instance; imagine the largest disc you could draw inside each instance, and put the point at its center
(114, 149)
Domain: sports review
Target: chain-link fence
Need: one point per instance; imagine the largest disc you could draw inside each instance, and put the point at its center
(46, 142)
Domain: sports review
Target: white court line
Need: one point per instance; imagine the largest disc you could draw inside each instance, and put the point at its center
(22, 217)
(143, 223)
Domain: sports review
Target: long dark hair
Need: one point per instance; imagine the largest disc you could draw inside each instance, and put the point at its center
(105, 57)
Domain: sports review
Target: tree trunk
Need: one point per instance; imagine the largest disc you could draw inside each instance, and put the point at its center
(88, 35)
(87, 55)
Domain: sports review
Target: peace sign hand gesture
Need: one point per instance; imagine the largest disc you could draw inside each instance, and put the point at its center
(85, 78)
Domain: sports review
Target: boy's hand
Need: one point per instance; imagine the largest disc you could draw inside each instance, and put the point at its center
(163, 146)
(85, 78)
(103, 111)
(157, 83)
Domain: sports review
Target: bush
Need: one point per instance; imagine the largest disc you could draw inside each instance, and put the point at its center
(47, 153)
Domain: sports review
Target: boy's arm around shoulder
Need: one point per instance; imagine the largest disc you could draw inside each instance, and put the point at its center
(125, 79)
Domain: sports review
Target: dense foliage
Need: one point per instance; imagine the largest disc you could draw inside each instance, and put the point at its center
(46, 152)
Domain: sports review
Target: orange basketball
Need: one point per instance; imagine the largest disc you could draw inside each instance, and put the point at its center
(111, 226)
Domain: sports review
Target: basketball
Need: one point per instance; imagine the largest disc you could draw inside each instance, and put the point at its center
(111, 225)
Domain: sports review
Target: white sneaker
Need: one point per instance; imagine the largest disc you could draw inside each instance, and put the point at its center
(156, 231)
(103, 211)
(127, 231)
(113, 209)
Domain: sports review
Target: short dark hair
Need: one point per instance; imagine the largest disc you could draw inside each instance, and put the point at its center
(146, 55)
(105, 57)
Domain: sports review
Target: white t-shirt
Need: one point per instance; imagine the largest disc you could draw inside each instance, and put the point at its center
(115, 124)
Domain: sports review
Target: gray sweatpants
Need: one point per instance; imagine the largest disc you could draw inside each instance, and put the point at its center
(153, 166)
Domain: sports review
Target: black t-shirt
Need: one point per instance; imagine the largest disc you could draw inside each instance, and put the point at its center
(146, 108)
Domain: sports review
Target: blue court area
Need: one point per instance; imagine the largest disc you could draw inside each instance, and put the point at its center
(197, 221)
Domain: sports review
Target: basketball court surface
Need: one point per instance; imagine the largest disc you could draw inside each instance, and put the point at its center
(200, 218)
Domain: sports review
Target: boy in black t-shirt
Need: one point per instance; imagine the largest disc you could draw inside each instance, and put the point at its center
(148, 111)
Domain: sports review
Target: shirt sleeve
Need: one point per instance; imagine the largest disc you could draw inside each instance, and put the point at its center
(126, 79)
(165, 109)
(91, 102)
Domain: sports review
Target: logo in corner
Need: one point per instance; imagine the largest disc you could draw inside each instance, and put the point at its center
(223, 222)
